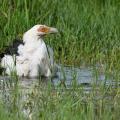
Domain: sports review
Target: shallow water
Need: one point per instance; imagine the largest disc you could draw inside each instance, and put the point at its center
(83, 76)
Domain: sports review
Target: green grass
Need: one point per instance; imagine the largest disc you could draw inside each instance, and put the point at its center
(89, 35)
(46, 103)
(89, 30)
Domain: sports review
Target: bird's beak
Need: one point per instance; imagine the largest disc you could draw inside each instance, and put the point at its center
(47, 30)
(52, 30)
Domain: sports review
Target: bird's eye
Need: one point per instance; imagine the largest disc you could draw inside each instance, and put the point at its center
(43, 29)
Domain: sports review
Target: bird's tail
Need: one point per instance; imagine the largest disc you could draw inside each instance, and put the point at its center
(1, 68)
(8, 63)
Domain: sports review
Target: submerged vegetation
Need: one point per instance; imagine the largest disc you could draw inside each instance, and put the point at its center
(89, 35)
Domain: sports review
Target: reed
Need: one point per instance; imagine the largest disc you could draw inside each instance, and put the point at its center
(89, 35)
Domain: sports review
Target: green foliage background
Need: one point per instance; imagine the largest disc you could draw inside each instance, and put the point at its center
(89, 29)
(89, 34)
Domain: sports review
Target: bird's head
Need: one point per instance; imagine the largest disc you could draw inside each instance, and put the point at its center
(38, 31)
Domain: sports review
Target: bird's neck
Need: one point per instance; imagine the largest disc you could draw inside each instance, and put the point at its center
(29, 39)
(32, 43)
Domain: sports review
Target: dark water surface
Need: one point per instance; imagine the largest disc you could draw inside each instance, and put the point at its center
(67, 75)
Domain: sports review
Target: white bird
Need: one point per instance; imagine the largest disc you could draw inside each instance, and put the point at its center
(34, 57)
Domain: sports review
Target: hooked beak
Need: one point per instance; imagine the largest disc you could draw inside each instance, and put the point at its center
(44, 30)
(52, 30)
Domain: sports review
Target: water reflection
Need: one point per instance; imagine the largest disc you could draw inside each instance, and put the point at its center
(84, 76)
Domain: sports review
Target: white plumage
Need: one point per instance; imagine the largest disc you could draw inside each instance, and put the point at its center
(34, 58)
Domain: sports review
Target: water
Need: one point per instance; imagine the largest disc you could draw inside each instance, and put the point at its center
(84, 76)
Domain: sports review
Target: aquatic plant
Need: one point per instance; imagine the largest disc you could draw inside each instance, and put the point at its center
(89, 36)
